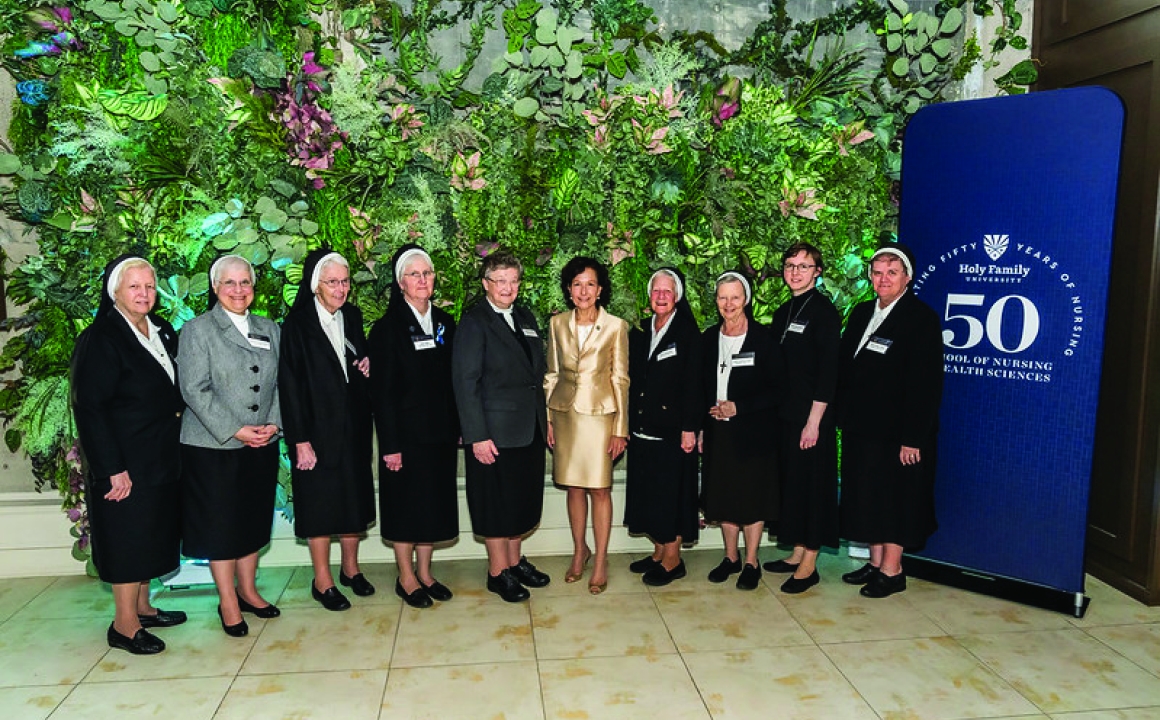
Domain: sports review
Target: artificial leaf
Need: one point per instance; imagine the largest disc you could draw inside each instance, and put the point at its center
(149, 61)
(942, 48)
(9, 164)
(526, 107)
(900, 67)
(951, 21)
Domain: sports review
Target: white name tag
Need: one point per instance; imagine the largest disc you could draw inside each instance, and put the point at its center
(258, 343)
(797, 327)
(877, 347)
(667, 353)
(425, 342)
(744, 360)
(529, 332)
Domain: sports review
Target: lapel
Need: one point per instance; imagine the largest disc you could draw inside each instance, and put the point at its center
(593, 337)
(312, 327)
(508, 339)
(137, 351)
(894, 317)
(227, 329)
(665, 340)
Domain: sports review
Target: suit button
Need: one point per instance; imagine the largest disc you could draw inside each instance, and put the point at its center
(253, 368)
(256, 388)
(177, 414)
(640, 412)
(253, 408)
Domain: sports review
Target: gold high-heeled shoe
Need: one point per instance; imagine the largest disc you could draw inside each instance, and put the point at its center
(570, 578)
(597, 588)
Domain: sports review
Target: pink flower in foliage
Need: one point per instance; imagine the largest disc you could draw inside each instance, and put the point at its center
(851, 135)
(801, 204)
(599, 117)
(312, 137)
(651, 139)
(465, 172)
(665, 100)
(726, 101)
(406, 118)
(486, 248)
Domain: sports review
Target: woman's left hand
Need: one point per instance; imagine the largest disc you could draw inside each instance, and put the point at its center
(617, 445)
(910, 456)
(724, 409)
(688, 441)
(394, 461)
(364, 366)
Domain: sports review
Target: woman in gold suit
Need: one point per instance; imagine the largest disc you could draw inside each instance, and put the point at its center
(587, 391)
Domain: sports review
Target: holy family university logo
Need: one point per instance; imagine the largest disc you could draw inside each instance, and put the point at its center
(1010, 310)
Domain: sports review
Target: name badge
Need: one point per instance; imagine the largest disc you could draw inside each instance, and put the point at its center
(879, 345)
(423, 342)
(259, 341)
(667, 353)
(530, 332)
(797, 327)
(744, 359)
(350, 346)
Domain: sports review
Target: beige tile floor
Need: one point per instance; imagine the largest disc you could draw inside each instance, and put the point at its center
(690, 650)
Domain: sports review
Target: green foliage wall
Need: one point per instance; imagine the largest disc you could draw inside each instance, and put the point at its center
(182, 129)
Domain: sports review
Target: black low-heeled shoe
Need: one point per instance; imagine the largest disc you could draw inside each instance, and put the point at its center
(643, 565)
(143, 642)
(861, 576)
(507, 587)
(779, 566)
(882, 585)
(437, 591)
(794, 585)
(726, 568)
(270, 611)
(332, 599)
(528, 575)
(659, 577)
(358, 584)
(418, 599)
(237, 630)
(163, 618)
(749, 578)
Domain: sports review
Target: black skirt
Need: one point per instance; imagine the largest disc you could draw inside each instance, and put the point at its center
(228, 500)
(338, 502)
(138, 538)
(809, 489)
(660, 496)
(739, 479)
(420, 503)
(884, 501)
(506, 498)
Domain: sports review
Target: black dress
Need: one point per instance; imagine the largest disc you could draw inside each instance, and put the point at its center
(665, 398)
(499, 392)
(333, 414)
(739, 469)
(415, 415)
(808, 329)
(888, 397)
(128, 415)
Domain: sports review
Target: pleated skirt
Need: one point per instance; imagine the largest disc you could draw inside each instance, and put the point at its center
(227, 500)
(138, 538)
(882, 500)
(809, 489)
(661, 491)
(420, 503)
(580, 458)
(506, 499)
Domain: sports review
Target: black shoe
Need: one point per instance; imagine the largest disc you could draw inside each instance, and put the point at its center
(507, 587)
(418, 599)
(861, 576)
(657, 576)
(358, 584)
(239, 630)
(722, 572)
(332, 599)
(780, 566)
(643, 565)
(749, 578)
(437, 591)
(793, 586)
(142, 643)
(884, 585)
(270, 611)
(527, 574)
(163, 618)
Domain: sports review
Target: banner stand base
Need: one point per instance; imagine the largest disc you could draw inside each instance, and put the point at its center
(1020, 591)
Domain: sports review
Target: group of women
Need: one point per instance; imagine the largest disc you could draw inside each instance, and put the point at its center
(181, 444)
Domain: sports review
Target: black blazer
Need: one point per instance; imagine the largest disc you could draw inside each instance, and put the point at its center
(665, 395)
(893, 396)
(128, 412)
(411, 388)
(319, 405)
(754, 389)
(499, 385)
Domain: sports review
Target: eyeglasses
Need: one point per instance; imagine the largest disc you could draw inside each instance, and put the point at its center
(235, 285)
(503, 283)
(791, 267)
(332, 284)
(415, 275)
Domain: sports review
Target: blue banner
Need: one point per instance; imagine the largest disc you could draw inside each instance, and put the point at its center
(1009, 204)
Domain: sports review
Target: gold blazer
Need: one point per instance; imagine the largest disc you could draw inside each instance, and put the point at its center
(592, 380)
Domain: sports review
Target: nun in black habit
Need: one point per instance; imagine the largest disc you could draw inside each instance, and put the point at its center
(128, 409)
(417, 425)
(324, 386)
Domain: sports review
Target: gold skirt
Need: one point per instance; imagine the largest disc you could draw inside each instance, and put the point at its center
(581, 458)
